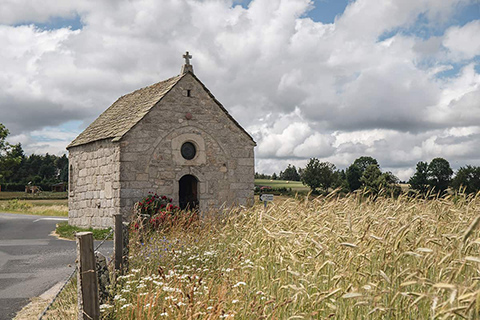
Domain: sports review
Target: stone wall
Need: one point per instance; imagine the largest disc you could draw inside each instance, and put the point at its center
(151, 160)
(108, 177)
(94, 184)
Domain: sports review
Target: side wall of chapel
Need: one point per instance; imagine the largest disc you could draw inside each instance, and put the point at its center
(94, 184)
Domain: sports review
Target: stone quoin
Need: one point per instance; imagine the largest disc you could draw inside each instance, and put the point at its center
(172, 138)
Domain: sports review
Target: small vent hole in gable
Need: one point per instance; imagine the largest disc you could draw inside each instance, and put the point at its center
(189, 94)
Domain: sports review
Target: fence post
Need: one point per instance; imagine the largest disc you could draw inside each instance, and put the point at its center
(87, 283)
(118, 241)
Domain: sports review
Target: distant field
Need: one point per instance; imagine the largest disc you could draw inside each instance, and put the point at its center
(7, 195)
(43, 207)
(295, 185)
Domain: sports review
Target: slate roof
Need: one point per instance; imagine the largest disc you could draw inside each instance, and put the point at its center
(129, 109)
(124, 113)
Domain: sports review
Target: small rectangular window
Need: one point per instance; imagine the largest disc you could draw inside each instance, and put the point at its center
(188, 93)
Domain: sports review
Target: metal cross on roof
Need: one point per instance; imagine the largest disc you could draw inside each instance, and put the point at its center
(187, 58)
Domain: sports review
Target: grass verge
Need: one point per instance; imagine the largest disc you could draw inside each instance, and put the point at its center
(35, 207)
(65, 306)
(67, 231)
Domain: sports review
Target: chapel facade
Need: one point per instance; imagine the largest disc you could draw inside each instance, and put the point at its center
(172, 138)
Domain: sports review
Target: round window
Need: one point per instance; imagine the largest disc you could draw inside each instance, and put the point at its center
(188, 150)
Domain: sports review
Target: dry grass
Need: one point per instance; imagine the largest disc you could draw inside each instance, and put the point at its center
(65, 306)
(331, 257)
(35, 207)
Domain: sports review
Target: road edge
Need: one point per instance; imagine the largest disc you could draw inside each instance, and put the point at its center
(38, 304)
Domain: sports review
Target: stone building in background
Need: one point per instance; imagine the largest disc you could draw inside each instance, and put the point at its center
(172, 138)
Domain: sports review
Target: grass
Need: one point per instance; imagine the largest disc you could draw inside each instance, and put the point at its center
(67, 231)
(9, 195)
(65, 306)
(330, 257)
(295, 185)
(36, 207)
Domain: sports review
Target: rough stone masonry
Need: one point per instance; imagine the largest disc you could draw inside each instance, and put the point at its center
(171, 138)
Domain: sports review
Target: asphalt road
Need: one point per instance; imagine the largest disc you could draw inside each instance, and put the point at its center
(32, 261)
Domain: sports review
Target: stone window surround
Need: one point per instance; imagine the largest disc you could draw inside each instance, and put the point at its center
(199, 143)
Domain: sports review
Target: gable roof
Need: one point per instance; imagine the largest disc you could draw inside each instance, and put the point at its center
(129, 109)
(124, 113)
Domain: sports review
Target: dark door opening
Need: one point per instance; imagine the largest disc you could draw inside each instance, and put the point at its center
(187, 194)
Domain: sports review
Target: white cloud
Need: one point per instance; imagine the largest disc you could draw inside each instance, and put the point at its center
(463, 42)
(302, 88)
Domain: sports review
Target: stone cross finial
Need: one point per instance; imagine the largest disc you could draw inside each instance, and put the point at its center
(187, 58)
(187, 67)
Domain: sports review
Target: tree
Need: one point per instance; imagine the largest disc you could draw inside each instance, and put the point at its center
(355, 171)
(274, 176)
(340, 180)
(318, 174)
(290, 174)
(439, 174)
(467, 177)
(370, 178)
(258, 176)
(364, 162)
(9, 159)
(353, 175)
(419, 181)
(375, 181)
(62, 168)
(3, 136)
(389, 182)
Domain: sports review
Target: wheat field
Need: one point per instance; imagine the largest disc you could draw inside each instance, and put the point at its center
(332, 257)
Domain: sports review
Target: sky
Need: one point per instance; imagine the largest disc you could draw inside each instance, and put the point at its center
(398, 80)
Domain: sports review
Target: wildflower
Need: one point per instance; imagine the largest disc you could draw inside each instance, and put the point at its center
(117, 297)
(126, 306)
(164, 314)
(105, 306)
(234, 301)
(241, 283)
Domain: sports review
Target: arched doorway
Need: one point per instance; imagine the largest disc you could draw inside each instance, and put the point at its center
(188, 192)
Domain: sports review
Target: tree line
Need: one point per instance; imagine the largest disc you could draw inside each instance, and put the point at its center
(365, 173)
(18, 169)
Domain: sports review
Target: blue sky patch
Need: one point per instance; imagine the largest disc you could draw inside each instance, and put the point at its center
(325, 11)
(53, 23)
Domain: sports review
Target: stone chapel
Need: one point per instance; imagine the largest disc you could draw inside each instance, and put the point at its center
(172, 138)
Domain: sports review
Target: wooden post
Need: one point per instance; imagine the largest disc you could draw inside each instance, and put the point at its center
(87, 283)
(118, 241)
